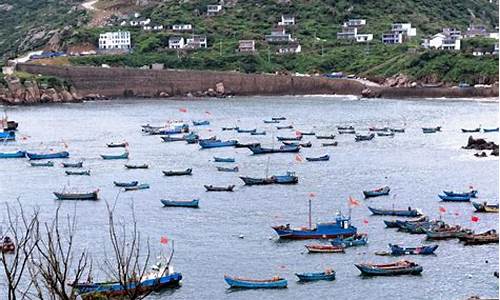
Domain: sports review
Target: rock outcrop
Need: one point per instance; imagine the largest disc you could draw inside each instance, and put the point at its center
(481, 144)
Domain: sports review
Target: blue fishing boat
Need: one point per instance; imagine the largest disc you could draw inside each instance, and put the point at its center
(383, 191)
(7, 136)
(246, 283)
(224, 159)
(201, 123)
(258, 149)
(360, 138)
(142, 186)
(119, 156)
(454, 198)
(328, 274)
(205, 144)
(431, 129)
(288, 178)
(175, 203)
(18, 154)
(240, 130)
(352, 241)
(396, 212)
(37, 156)
(42, 164)
(402, 267)
(490, 129)
(320, 158)
(258, 133)
(340, 228)
(125, 184)
(422, 250)
(471, 194)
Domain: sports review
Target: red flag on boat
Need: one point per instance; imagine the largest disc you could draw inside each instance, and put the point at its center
(299, 158)
(184, 110)
(312, 194)
(298, 133)
(474, 219)
(164, 240)
(353, 202)
(442, 209)
(365, 221)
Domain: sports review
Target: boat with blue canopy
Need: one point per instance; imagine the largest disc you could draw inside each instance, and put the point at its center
(328, 274)
(55, 155)
(17, 154)
(7, 136)
(247, 283)
(447, 198)
(359, 239)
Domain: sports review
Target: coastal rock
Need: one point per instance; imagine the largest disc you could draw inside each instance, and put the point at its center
(480, 144)
(399, 80)
(494, 152)
(367, 93)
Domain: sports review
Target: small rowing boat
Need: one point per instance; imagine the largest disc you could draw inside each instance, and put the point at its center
(38, 156)
(224, 159)
(176, 203)
(211, 188)
(77, 196)
(319, 248)
(403, 267)
(80, 173)
(142, 186)
(42, 164)
(383, 191)
(125, 184)
(328, 274)
(319, 158)
(188, 171)
(247, 283)
(111, 157)
(73, 165)
(143, 166)
(224, 169)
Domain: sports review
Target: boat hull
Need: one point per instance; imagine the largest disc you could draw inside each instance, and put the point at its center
(315, 276)
(244, 284)
(86, 196)
(35, 156)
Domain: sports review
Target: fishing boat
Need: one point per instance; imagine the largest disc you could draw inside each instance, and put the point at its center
(211, 188)
(403, 267)
(7, 136)
(471, 194)
(325, 137)
(288, 178)
(117, 145)
(340, 228)
(431, 129)
(258, 149)
(319, 158)
(7, 245)
(471, 130)
(378, 129)
(240, 145)
(328, 274)
(490, 129)
(454, 198)
(347, 131)
(42, 164)
(306, 133)
(142, 186)
(201, 123)
(80, 173)
(176, 203)
(223, 169)
(125, 184)
(485, 207)
(148, 128)
(278, 118)
(205, 144)
(445, 231)
(284, 127)
(77, 196)
(257, 181)
(192, 138)
(383, 191)
(303, 145)
(118, 156)
(247, 283)
(306, 145)
(295, 138)
(229, 128)
(258, 133)
(395, 212)
(169, 138)
(359, 239)
(359, 137)
(488, 237)
(397, 130)
(188, 171)
(73, 165)
(344, 127)
(143, 166)
(397, 250)
(37, 156)
(271, 121)
(419, 227)
(173, 128)
(224, 159)
(320, 248)
(334, 144)
(17, 154)
(240, 130)
(390, 134)
(397, 223)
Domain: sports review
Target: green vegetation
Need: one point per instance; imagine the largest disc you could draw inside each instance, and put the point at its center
(42, 80)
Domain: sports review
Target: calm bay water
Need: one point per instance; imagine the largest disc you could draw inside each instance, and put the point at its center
(207, 245)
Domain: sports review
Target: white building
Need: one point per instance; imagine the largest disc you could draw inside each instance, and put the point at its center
(246, 46)
(176, 42)
(197, 41)
(362, 38)
(355, 23)
(182, 27)
(452, 32)
(347, 33)
(115, 40)
(145, 22)
(441, 41)
(279, 35)
(213, 10)
(392, 38)
(287, 20)
(404, 28)
(291, 48)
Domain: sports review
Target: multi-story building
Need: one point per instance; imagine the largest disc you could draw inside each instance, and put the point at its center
(115, 40)
(176, 42)
(246, 46)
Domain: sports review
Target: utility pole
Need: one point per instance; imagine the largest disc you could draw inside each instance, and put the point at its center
(220, 48)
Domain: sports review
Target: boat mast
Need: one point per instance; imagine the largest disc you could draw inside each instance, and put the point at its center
(310, 217)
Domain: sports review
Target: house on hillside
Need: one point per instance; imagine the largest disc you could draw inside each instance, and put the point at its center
(246, 46)
(446, 40)
(452, 33)
(176, 42)
(404, 28)
(291, 48)
(392, 38)
(363, 38)
(355, 23)
(287, 20)
(214, 9)
(279, 35)
(476, 30)
(118, 40)
(347, 33)
(350, 31)
(196, 42)
(182, 27)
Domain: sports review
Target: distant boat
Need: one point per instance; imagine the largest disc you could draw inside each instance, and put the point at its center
(258, 149)
(485, 207)
(77, 196)
(288, 178)
(383, 191)
(246, 283)
(360, 239)
(119, 156)
(306, 133)
(403, 267)
(454, 198)
(431, 129)
(328, 274)
(224, 159)
(211, 188)
(422, 250)
(73, 165)
(228, 128)
(188, 171)
(174, 203)
(42, 164)
(204, 144)
(295, 138)
(340, 228)
(117, 145)
(201, 123)
(391, 134)
(278, 118)
(471, 130)
(37, 156)
(396, 212)
(240, 130)
(258, 133)
(257, 181)
(303, 145)
(81, 173)
(490, 129)
(334, 144)
(378, 129)
(7, 136)
(360, 137)
(18, 154)
(125, 184)
(344, 127)
(471, 194)
(191, 138)
(347, 131)
(319, 158)
(325, 137)
(224, 169)
(400, 223)
(271, 121)
(169, 138)
(488, 237)
(245, 145)
(397, 130)
(142, 186)
(143, 166)
(319, 248)
(284, 127)
(446, 232)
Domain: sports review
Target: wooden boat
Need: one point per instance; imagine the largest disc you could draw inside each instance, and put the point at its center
(201, 123)
(359, 137)
(143, 166)
(175, 203)
(188, 171)
(205, 144)
(485, 207)
(319, 248)
(488, 237)
(306, 133)
(278, 118)
(328, 274)
(446, 232)
(471, 130)
(397, 130)
(257, 181)
(42, 164)
(359, 239)
(396, 212)
(347, 131)
(419, 227)
(325, 137)
(398, 223)
(119, 156)
(211, 188)
(295, 138)
(77, 196)
(271, 121)
(319, 158)
(18, 154)
(383, 191)
(80, 173)
(73, 165)
(142, 186)
(490, 129)
(431, 129)
(391, 134)
(378, 129)
(7, 245)
(454, 198)
(471, 194)
(284, 127)
(7, 136)
(402, 267)
(240, 130)
(258, 133)
(334, 144)
(125, 184)
(38, 156)
(246, 283)
(326, 230)
(240, 145)
(350, 127)
(10, 125)
(397, 250)
(224, 159)
(223, 169)
(258, 149)
(288, 178)
(117, 145)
